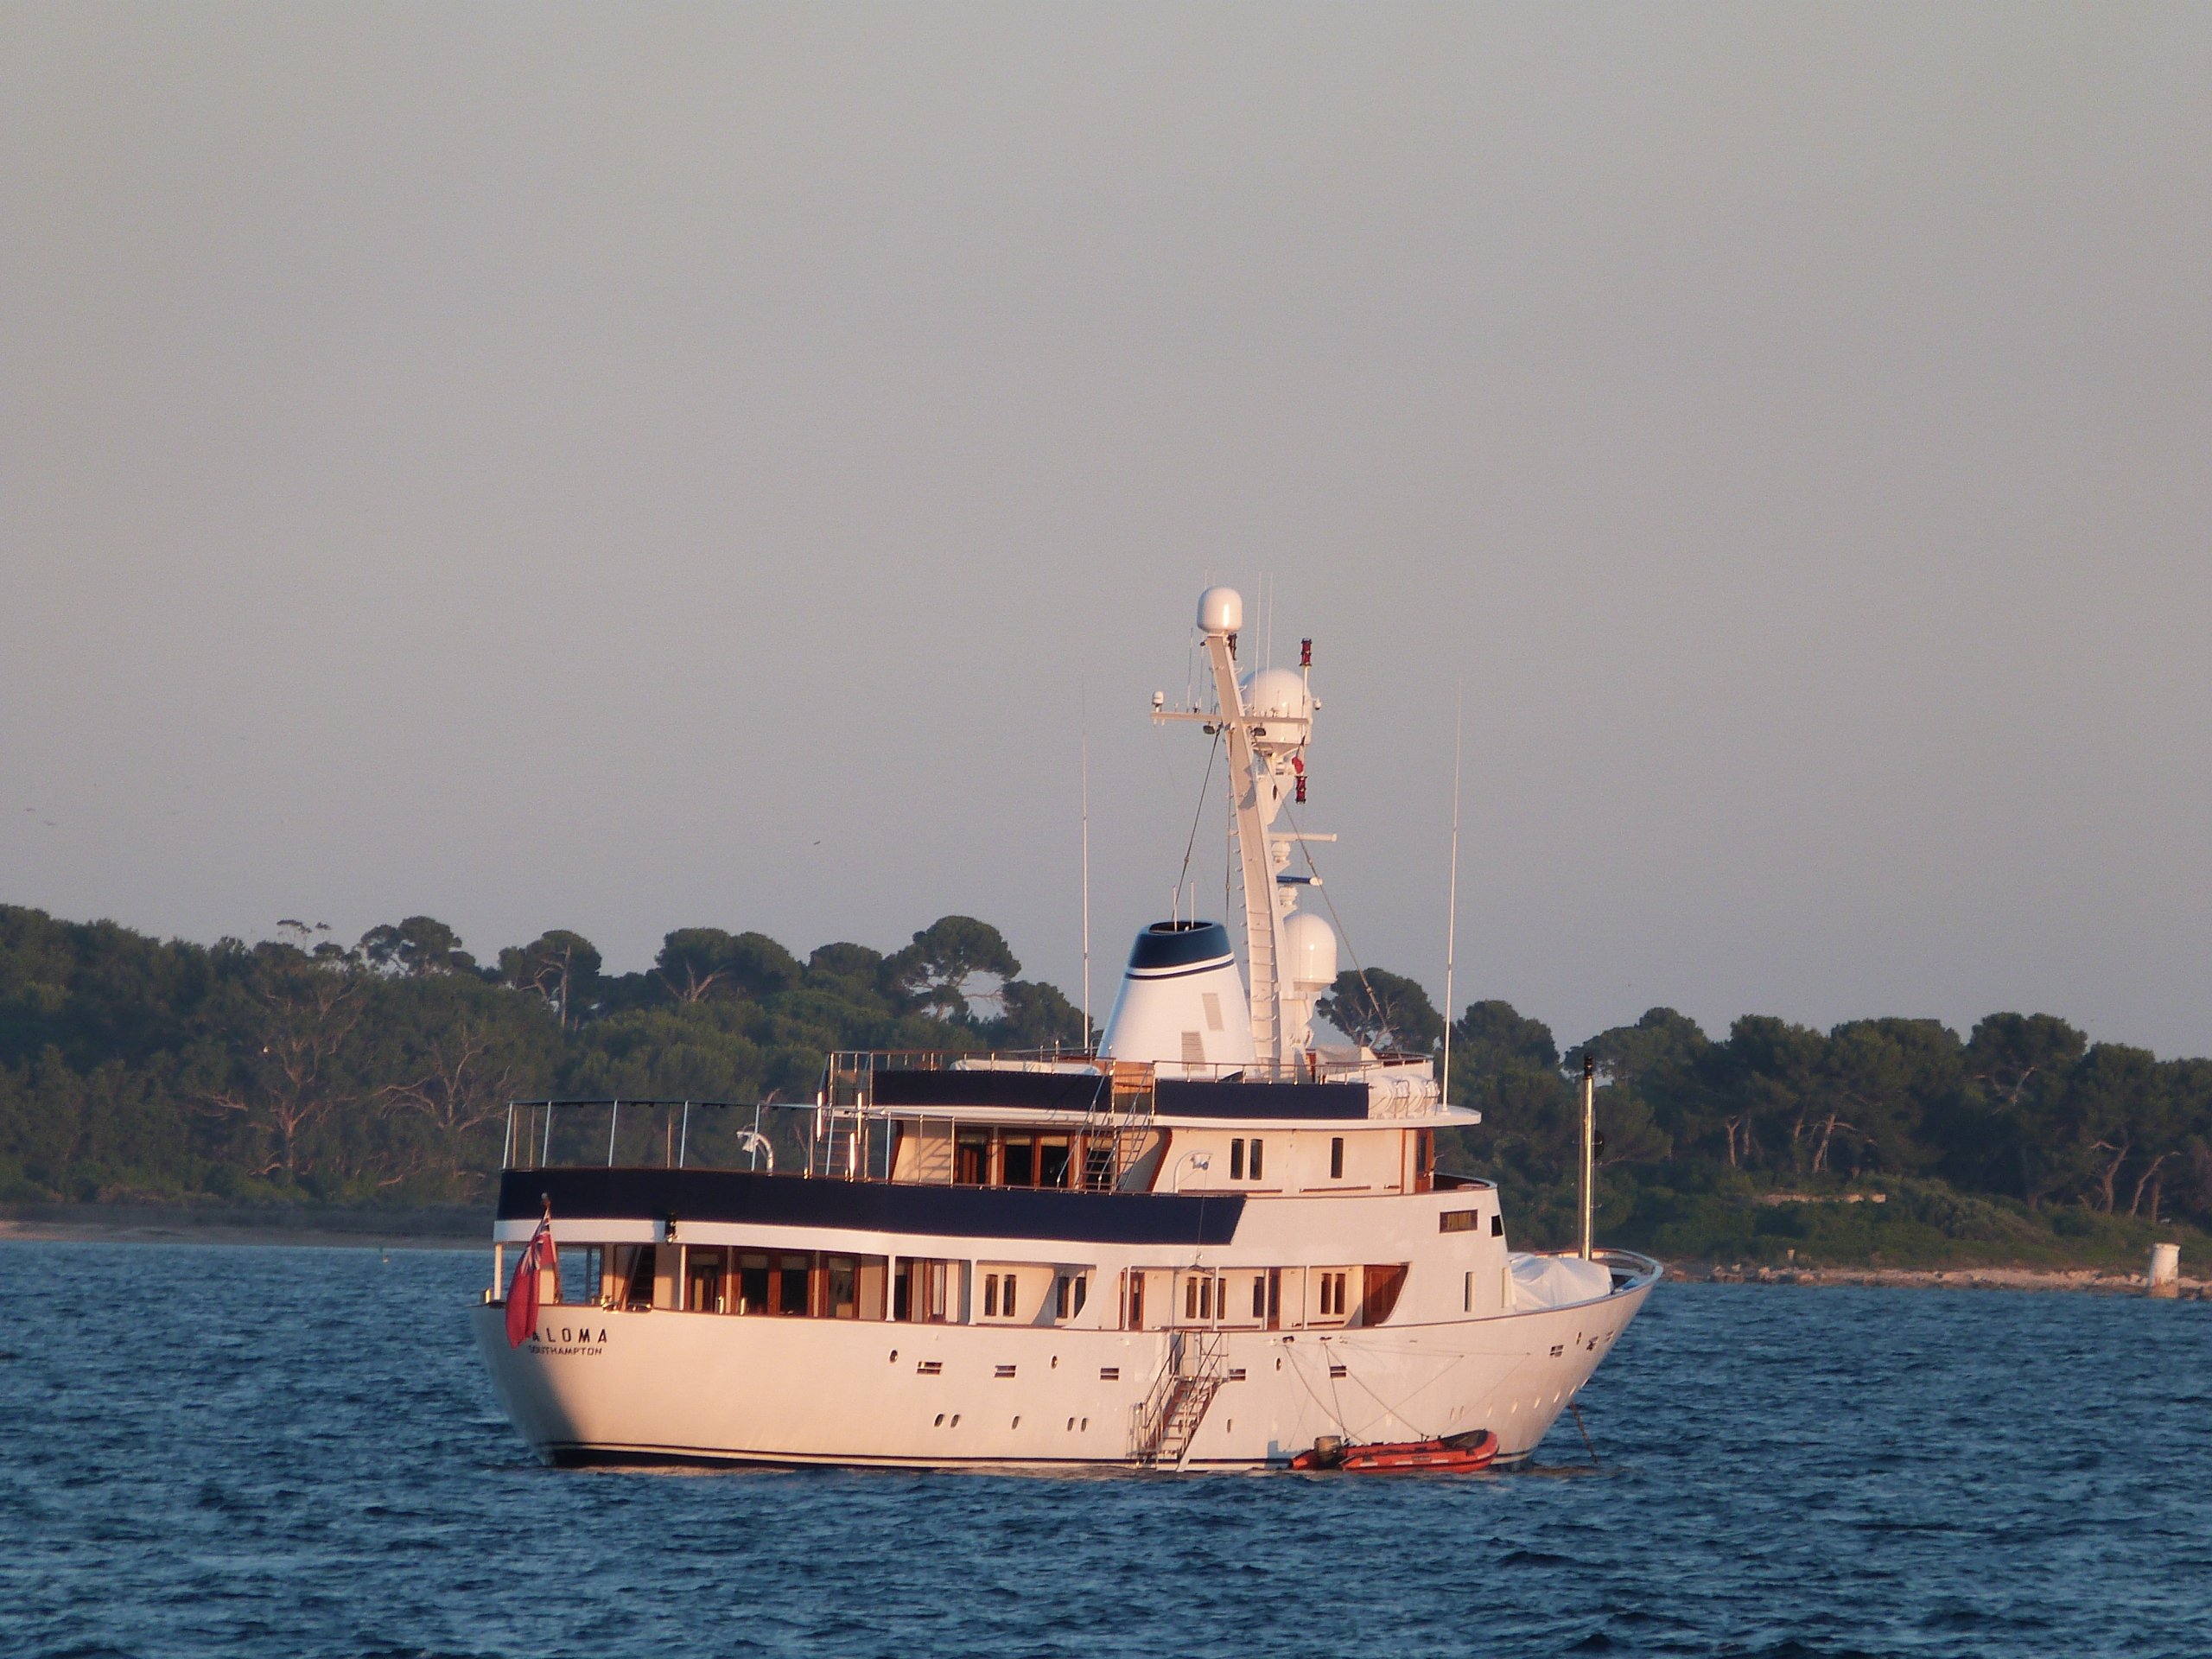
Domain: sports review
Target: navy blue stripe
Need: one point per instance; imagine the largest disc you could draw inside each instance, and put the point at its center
(1178, 944)
(737, 1195)
(1051, 1091)
(1185, 1097)
(1149, 974)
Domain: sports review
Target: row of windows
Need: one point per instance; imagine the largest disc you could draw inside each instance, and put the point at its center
(1017, 1157)
(797, 1284)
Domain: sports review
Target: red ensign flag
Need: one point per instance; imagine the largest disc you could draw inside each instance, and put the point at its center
(522, 1295)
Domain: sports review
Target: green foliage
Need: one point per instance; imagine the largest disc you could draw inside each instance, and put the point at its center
(303, 1070)
(299, 1069)
(1386, 1011)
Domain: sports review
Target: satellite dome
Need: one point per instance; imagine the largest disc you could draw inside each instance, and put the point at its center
(1311, 948)
(1278, 694)
(1221, 610)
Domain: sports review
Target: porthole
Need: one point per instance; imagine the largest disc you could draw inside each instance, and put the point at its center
(1086, 1423)
(1071, 1425)
(955, 1420)
(1017, 1422)
(940, 1421)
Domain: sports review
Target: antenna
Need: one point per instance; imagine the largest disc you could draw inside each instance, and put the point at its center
(1451, 887)
(1086, 885)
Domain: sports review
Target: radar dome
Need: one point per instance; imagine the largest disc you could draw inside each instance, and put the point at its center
(1277, 693)
(1311, 944)
(1221, 610)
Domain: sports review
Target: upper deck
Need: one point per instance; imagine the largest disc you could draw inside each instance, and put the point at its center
(1032, 1121)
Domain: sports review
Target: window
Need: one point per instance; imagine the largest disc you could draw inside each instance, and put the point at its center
(1467, 1296)
(918, 1290)
(1457, 1221)
(1332, 1296)
(971, 1158)
(1260, 1296)
(1256, 1159)
(581, 1266)
(1202, 1293)
(702, 1281)
(999, 1296)
(1424, 1155)
(1236, 1160)
(1070, 1291)
(1498, 1225)
(792, 1274)
(752, 1284)
(842, 1277)
(640, 1291)
(1336, 1157)
(1136, 1301)
(1052, 1162)
(1020, 1168)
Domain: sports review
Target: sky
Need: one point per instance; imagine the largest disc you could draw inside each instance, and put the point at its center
(625, 468)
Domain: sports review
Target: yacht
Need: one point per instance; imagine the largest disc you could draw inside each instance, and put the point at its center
(1212, 1244)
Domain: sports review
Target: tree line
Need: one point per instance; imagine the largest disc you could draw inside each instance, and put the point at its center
(2022, 1109)
(303, 1067)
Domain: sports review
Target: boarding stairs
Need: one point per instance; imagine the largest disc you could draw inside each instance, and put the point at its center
(1162, 1429)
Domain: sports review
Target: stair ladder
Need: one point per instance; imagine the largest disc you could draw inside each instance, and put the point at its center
(1114, 1128)
(1164, 1427)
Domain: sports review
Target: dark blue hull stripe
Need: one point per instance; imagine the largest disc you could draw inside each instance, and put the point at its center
(742, 1196)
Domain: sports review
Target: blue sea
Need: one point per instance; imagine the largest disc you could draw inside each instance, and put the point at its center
(246, 1452)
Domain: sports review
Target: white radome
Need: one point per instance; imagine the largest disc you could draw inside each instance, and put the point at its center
(1221, 610)
(1278, 694)
(1311, 948)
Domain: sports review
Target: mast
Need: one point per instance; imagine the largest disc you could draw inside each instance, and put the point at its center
(1266, 735)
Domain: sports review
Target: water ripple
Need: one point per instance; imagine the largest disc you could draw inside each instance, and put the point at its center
(294, 1452)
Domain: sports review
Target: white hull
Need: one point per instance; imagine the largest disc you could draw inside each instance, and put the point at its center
(597, 1385)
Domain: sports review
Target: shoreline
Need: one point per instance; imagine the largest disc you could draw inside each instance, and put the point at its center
(448, 1229)
(2104, 1280)
(460, 1228)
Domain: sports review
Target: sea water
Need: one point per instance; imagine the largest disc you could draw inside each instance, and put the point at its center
(290, 1452)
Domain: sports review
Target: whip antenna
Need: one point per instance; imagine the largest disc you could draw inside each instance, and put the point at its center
(1451, 885)
(1086, 885)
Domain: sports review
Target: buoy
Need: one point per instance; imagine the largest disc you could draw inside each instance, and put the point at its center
(2164, 1276)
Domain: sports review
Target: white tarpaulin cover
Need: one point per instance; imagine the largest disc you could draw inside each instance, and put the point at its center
(1556, 1281)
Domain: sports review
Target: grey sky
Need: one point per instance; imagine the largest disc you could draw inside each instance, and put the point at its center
(623, 468)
